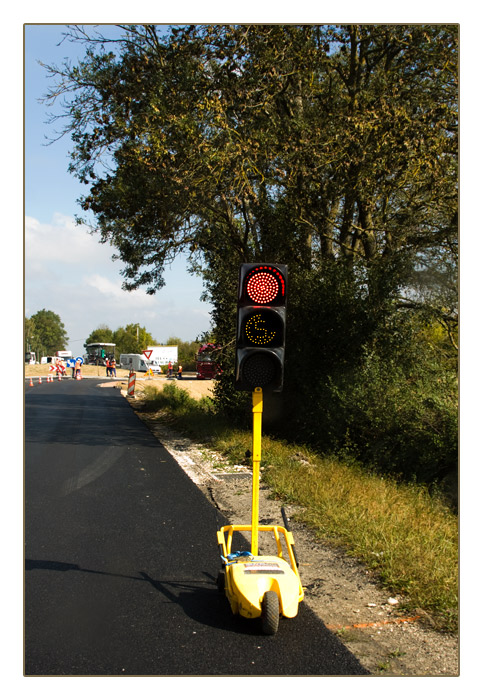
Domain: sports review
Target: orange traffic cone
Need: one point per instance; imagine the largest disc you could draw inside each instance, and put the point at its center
(40, 380)
(31, 382)
(60, 377)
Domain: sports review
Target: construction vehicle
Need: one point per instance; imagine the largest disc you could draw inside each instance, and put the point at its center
(98, 353)
(207, 366)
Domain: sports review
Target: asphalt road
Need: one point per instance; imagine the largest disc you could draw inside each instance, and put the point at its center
(121, 557)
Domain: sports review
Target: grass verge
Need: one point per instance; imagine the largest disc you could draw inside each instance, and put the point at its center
(401, 531)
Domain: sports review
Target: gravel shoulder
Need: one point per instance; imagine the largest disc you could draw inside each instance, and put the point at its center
(368, 619)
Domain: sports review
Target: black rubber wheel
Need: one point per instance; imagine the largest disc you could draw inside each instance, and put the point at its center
(220, 582)
(270, 613)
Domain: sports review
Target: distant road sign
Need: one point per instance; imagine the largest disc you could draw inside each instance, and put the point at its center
(71, 362)
(148, 354)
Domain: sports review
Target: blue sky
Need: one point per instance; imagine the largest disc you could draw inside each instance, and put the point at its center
(66, 269)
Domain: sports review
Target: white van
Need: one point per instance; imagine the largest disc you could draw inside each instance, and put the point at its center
(64, 354)
(136, 363)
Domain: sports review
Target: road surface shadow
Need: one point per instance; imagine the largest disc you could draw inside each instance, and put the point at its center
(200, 600)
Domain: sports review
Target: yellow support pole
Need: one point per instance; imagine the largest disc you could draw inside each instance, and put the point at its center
(257, 403)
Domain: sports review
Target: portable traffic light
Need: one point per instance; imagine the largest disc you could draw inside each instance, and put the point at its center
(260, 341)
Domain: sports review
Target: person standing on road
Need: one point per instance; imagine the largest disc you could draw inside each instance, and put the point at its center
(170, 369)
(180, 372)
(77, 369)
(108, 367)
(113, 367)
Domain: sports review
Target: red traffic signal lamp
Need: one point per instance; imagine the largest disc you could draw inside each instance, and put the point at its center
(260, 340)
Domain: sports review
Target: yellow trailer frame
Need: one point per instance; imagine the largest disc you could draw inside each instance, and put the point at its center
(260, 586)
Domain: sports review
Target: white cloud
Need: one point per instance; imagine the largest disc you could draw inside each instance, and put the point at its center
(69, 272)
(113, 291)
(62, 241)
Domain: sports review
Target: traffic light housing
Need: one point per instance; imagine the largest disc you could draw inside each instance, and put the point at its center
(260, 339)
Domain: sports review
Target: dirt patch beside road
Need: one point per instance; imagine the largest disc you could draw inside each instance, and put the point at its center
(197, 388)
(370, 620)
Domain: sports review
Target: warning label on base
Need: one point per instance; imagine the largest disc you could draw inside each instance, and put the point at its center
(262, 567)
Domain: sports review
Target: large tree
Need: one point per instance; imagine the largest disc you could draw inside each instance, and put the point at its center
(133, 338)
(330, 148)
(306, 142)
(48, 333)
(101, 334)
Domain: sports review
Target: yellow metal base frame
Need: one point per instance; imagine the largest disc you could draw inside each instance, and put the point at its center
(248, 577)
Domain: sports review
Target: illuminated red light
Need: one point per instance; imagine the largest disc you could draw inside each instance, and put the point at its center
(264, 284)
(262, 288)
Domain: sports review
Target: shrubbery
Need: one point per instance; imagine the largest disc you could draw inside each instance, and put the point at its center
(404, 424)
(178, 403)
(367, 378)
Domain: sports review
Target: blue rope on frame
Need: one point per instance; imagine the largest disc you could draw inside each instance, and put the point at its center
(233, 558)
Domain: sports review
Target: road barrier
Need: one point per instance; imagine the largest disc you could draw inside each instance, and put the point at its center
(131, 383)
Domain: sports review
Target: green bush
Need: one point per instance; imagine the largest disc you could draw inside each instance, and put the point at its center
(365, 377)
(196, 417)
(405, 425)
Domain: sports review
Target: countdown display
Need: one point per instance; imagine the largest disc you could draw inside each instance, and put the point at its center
(263, 328)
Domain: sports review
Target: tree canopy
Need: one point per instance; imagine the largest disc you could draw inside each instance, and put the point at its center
(311, 141)
(45, 333)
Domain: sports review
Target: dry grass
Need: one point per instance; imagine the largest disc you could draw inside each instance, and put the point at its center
(407, 535)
